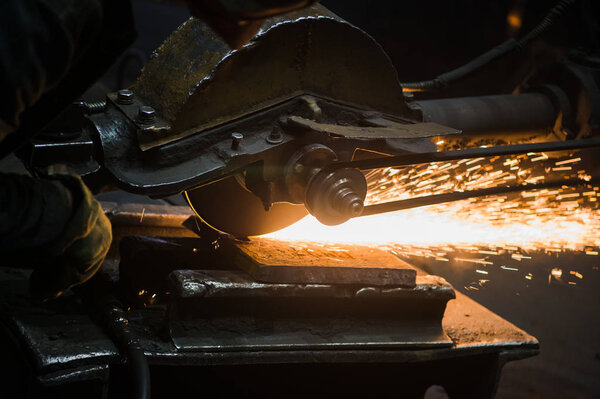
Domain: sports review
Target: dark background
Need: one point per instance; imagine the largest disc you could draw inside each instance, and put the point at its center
(422, 38)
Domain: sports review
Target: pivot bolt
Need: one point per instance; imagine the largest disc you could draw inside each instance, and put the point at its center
(125, 97)
(146, 115)
(236, 139)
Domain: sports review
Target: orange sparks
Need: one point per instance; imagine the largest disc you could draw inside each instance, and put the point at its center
(546, 220)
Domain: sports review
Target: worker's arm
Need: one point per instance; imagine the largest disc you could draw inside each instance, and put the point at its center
(54, 226)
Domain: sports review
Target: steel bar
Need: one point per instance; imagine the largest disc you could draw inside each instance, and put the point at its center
(268, 261)
(392, 206)
(500, 114)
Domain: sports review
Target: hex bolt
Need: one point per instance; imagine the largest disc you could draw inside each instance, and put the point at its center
(236, 139)
(146, 115)
(275, 136)
(125, 97)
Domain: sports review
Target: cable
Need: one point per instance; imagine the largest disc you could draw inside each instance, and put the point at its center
(444, 79)
(98, 295)
(117, 324)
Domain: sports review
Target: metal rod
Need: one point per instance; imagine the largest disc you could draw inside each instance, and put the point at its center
(440, 156)
(457, 196)
(499, 115)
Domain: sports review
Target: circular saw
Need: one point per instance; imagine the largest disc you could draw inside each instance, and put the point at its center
(258, 137)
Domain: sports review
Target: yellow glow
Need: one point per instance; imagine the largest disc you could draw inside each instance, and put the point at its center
(556, 272)
(514, 20)
(427, 226)
(542, 219)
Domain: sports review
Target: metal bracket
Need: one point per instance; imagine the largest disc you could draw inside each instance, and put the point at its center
(380, 128)
(149, 126)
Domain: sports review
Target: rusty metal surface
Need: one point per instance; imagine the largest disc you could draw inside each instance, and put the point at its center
(472, 325)
(273, 261)
(237, 284)
(480, 344)
(58, 335)
(479, 333)
(64, 343)
(226, 334)
(146, 219)
(143, 216)
(195, 82)
(382, 129)
(223, 310)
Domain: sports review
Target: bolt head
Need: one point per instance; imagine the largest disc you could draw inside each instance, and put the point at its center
(275, 136)
(146, 114)
(236, 138)
(125, 97)
(275, 133)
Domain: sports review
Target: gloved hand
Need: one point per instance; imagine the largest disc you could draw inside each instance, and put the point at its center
(78, 252)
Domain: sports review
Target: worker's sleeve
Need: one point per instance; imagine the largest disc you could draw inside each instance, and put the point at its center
(54, 226)
(33, 212)
(39, 40)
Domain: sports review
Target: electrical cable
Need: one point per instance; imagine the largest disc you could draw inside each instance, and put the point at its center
(98, 295)
(117, 323)
(511, 44)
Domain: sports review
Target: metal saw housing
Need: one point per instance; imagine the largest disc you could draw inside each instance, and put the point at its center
(308, 63)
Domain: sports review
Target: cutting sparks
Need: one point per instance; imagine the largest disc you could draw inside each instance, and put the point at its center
(485, 236)
(565, 217)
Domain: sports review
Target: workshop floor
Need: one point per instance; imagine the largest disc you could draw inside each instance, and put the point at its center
(562, 314)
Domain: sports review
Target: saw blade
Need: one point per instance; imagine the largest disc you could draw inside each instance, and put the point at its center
(228, 207)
